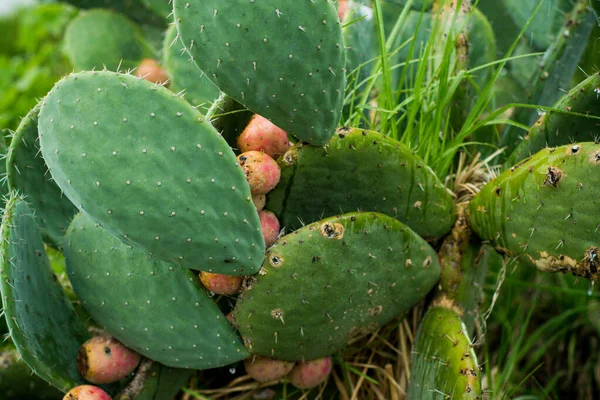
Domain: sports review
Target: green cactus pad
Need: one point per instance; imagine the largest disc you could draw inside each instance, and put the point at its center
(99, 38)
(17, 382)
(556, 129)
(283, 60)
(28, 173)
(464, 262)
(361, 170)
(229, 118)
(148, 167)
(444, 362)
(158, 309)
(43, 325)
(545, 209)
(184, 75)
(134, 9)
(163, 383)
(160, 7)
(332, 282)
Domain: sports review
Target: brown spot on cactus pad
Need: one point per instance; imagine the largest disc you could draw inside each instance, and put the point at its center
(332, 230)
(553, 176)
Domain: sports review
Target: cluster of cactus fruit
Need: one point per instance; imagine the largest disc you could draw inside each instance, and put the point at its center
(162, 202)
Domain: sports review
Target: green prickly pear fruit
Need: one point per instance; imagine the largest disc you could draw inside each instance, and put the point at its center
(150, 70)
(262, 135)
(259, 201)
(266, 369)
(270, 227)
(309, 374)
(262, 172)
(87, 392)
(221, 284)
(103, 359)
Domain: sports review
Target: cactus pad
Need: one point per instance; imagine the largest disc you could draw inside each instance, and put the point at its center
(184, 74)
(444, 362)
(557, 129)
(330, 283)
(28, 173)
(17, 382)
(545, 209)
(43, 325)
(158, 309)
(99, 38)
(361, 170)
(151, 170)
(283, 60)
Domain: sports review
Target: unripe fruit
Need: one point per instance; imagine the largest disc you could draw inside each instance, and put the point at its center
(262, 172)
(265, 369)
(150, 70)
(103, 359)
(307, 375)
(259, 201)
(221, 284)
(262, 135)
(270, 227)
(87, 392)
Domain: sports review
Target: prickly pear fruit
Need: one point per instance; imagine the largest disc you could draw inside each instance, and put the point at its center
(266, 369)
(259, 201)
(262, 135)
(103, 359)
(87, 392)
(262, 172)
(270, 227)
(150, 70)
(221, 284)
(342, 8)
(308, 374)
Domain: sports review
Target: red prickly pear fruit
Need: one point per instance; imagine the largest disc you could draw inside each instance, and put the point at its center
(307, 375)
(342, 8)
(270, 227)
(150, 70)
(221, 284)
(265, 369)
(262, 172)
(87, 392)
(103, 359)
(262, 135)
(259, 201)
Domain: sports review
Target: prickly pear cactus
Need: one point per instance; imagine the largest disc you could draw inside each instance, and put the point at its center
(43, 325)
(544, 210)
(332, 282)
(28, 174)
(283, 60)
(361, 170)
(444, 362)
(158, 309)
(148, 167)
